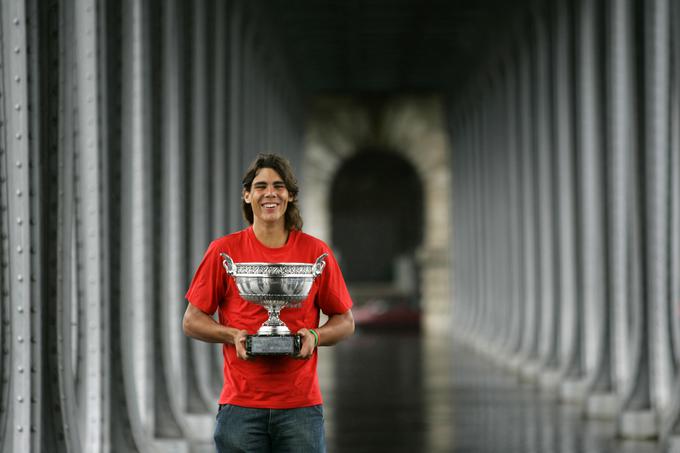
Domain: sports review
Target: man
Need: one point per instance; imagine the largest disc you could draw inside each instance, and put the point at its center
(268, 403)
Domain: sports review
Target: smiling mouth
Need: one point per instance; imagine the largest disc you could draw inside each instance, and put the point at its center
(269, 205)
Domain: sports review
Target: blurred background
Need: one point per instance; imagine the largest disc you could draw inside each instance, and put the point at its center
(500, 181)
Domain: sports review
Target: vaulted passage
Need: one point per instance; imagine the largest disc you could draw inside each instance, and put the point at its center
(508, 170)
(377, 216)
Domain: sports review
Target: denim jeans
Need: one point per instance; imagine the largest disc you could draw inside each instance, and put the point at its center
(244, 430)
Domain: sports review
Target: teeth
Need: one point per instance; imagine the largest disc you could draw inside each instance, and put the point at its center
(269, 205)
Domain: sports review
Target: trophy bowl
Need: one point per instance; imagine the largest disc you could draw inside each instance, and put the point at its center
(274, 286)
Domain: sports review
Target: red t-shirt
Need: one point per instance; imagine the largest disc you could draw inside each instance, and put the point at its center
(276, 382)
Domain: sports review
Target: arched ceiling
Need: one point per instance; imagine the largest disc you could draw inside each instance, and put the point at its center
(383, 46)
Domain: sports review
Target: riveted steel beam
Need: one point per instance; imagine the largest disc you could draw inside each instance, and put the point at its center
(527, 147)
(220, 119)
(172, 269)
(573, 388)
(204, 356)
(563, 130)
(236, 28)
(671, 425)
(513, 191)
(591, 157)
(657, 145)
(89, 230)
(66, 311)
(134, 395)
(622, 133)
(16, 124)
(544, 185)
(6, 425)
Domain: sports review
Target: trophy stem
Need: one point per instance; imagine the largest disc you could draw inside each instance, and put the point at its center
(273, 325)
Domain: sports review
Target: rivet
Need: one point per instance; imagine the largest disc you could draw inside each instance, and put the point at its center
(17, 79)
(17, 107)
(20, 339)
(20, 309)
(19, 192)
(19, 164)
(20, 399)
(16, 21)
(20, 369)
(17, 49)
(19, 221)
(20, 249)
(20, 429)
(20, 278)
(18, 135)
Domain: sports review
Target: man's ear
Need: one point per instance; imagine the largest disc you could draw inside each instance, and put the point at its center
(246, 196)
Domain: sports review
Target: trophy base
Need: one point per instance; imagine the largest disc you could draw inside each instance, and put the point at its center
(273, 344)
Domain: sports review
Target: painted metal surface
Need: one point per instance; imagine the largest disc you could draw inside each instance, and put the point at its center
(607, 148)
(101, 123)
(123, 136)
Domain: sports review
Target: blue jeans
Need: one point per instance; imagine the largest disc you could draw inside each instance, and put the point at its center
(243, 429)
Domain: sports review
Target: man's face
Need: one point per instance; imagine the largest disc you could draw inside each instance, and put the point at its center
(268, 197)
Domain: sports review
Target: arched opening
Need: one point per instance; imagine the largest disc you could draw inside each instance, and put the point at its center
(376, 230)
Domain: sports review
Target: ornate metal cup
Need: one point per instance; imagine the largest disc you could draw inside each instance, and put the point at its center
(274, 286)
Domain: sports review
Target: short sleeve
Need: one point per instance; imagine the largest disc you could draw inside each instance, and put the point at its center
(333, 296)
(208, 289)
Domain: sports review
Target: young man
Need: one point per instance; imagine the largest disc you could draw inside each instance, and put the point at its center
(268, 403)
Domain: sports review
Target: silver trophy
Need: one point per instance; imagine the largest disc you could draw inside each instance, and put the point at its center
(274, 286)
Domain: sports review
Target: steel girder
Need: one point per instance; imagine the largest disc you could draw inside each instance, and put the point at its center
(591, 208)
(121, 148)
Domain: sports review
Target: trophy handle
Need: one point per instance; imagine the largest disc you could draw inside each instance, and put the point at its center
(319, 265)
(228, 264)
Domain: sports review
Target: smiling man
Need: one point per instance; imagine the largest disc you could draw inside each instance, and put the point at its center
(268, 403)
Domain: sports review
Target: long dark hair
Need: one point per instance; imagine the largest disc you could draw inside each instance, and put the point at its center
(281, 166)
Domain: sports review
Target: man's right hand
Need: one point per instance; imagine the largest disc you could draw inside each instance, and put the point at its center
(240, 344)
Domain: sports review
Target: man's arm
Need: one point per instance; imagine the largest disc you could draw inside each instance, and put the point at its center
(337, 328)
(201, 326)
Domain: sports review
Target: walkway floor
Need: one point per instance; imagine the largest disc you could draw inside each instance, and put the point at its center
(406, 393)
(387, 392)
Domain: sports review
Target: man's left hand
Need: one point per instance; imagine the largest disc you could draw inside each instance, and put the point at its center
(308, 344)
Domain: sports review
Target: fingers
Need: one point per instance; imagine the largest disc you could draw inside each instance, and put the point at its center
(308, 344)
(240, 344)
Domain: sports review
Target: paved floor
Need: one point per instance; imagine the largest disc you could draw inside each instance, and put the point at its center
(408, 393)
(405, 393)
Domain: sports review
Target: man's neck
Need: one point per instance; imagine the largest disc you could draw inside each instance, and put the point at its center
(272, 236)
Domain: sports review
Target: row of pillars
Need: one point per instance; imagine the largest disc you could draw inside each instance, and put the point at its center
(124, 131)
(566, 220)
